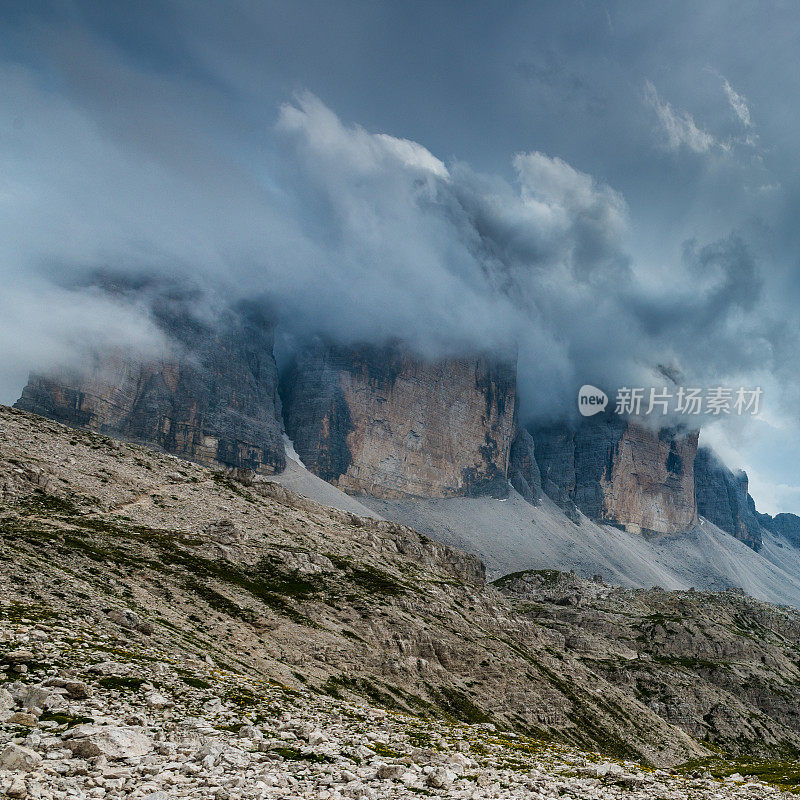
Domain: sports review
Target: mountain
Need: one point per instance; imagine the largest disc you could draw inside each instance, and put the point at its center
(723, 498)
(212, 396)
(784, 525)
(382, 422)
(436, 444)
(155, 605)
(621, 473)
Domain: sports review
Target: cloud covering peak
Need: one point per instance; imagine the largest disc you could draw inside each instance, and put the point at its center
(354, 235)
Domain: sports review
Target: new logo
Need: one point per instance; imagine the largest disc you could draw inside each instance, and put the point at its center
(591, 400)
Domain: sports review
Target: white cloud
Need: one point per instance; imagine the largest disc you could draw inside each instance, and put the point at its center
(679, 127)
(738, 104)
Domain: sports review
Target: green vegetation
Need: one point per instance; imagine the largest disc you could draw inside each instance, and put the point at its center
(64, 719)
(360, 686)
(293, 754)
(783, 774)
(121, 683)
(40, 504)
(457, 705)
(371, 579)
(17, 611)
(386, 751)
(549, 576)
(196, 683)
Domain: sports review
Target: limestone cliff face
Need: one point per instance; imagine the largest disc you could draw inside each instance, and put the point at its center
(723, 498)
(786, 525)
(381, 422)
(212, 398)
(621, 473)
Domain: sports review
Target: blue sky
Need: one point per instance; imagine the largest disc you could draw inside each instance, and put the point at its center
(612, 185)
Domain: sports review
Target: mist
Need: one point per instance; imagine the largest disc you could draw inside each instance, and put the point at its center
(353, 235)
(179, 169)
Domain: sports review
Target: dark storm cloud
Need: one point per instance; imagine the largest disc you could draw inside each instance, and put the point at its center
(411, 171)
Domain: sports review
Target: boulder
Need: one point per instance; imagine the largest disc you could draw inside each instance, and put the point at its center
(111, 741)
(17, 757)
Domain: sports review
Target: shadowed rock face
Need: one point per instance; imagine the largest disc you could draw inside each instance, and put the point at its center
(213, 398)
(722, 498)
(786, 525)
(523, 472)
(381, 422)
(619, 472)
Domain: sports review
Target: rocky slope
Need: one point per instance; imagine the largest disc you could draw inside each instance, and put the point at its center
(511, 535)
(145, 554)
(116, 713)
(381, 422)
(698, 659)
(211, 397)
(620, 472)
(787, 526)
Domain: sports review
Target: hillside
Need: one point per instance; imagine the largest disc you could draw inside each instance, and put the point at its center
(194, 581)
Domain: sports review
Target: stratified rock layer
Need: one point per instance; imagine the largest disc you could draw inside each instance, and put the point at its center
(381, 422)
(212, 398)
(620, 472)
(723, 498)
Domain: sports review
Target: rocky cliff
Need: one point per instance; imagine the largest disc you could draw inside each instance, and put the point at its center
(212, 397)
(785, 525)
(722, 498)
(620, 472)
(381, 422)
(523, 471)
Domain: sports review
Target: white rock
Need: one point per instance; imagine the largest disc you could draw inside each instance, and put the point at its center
(110, 741)
(155, 699)
(441, 778)
(316, 737)
(390, 771)
(6, 701)
(250, 732)
(608, 769)
(16, 757)
(17, 789)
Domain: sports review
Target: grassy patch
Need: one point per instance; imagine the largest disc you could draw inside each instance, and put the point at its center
(359, 686)
(293, 754)
(373, 580)
(457, 705)
(783, 774)
(121, 683)
(17, 611)
(40, 504)
(196, 683)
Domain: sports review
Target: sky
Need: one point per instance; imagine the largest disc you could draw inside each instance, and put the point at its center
(610, 188)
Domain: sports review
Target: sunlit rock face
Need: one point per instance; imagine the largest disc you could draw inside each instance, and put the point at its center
(620, 472)
(382, 422)
(723, 498)
(211, 396)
